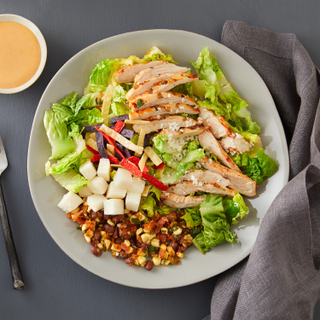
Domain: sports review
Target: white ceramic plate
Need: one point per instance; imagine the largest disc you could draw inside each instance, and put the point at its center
(46, 193)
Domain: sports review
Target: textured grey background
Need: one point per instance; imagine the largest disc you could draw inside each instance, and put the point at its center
(56, 287)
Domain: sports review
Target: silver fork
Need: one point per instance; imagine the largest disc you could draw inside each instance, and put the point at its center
(8, 239)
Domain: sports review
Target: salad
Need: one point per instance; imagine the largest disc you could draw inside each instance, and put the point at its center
(155, 158)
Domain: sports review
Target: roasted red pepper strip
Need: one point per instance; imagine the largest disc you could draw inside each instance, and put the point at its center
(119, 126)
(111, 141)
(160, 166)
(155, 182)
(96, 157)
(135, 160)
(92, 150)
(113, 159)
(130, 167)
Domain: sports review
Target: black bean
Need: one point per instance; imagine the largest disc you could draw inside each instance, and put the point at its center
(118, 241)
(108, 228)
(149, 265)
(174, 246)
(96, 251)
(97, 234)
(122, 255)
(126, 236)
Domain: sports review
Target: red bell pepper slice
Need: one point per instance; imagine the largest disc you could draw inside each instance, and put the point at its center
(135, 160)
(113, 159)
(130, 167)
(92, 150)
(160, 166)
(119, 126)
(155, 182)
(96, 157)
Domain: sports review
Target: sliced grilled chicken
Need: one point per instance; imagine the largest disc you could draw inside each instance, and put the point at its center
(148, 100)
(238, 181)
(128, 74)
(180, 202)
(171, 122)
(167, 85)
(188, 187)
(183, 132)
(235, 145)
(204, 176)
(153, 72)
(169, 108)
(211, 144)
(217, 124)
(163, 82)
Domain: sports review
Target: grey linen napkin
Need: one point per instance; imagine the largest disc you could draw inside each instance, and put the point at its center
(281, 278)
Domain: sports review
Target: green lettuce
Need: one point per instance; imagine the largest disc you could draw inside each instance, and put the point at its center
(259, 168)
(155, 54)
(216, 228)
(192, 217)
(58, 135)
(188, 162)
(235, 208)
(118, 104)
(71, 180)
(98, 80)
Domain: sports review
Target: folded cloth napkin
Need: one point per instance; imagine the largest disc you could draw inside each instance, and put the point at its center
(281, 278)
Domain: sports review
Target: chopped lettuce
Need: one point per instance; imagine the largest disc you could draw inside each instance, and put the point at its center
(156, 54)
(216, 228)
(192, 217)
(259, 168)
(71, 180)
(234, 208)
(149, 203)
(58, 135)
(98, 80)
(118, 104)
(189, 161)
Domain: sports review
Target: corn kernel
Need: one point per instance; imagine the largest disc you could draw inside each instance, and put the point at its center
(110, 222)
(130, 250)
(146, 231)
(116, 247)
(171, 251)
(177, 231)
(141, 253)
(142, 261)
(100, 246)
(140, 216)
(84, 227)
(107, 243)
(102, 232)
(127, 243)
(164, 230)
(156, 261)
(188, 237)
(115, 254)
(163, 247)
(155, 243)
(166, 263)
(136, 262)
(146, 238)
(126, 211)
(139, 231)
(180, 254)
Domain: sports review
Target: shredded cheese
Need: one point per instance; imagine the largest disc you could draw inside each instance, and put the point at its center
(153, 156)
(122, 140)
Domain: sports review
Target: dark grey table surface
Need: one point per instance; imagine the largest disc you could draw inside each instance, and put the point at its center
(56, 287)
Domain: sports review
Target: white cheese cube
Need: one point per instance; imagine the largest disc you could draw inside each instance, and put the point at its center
(69, 202)
(104, 169)
(133, 201)
(123, 178)
(98, 185)
(88, 170)
(137, 185)
(96, 202)
(115, 192)
(85, 192)
(113, 206)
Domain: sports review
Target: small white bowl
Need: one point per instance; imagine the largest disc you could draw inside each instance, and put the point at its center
(43, 47)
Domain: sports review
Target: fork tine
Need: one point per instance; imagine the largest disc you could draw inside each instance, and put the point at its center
(3, 157)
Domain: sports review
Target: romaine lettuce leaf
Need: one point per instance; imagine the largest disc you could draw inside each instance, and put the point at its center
(118, 104)
(156, 54)
(235, 208)
(58, 135)
(192, 217)
(71, 180)
(100, 75)
(189, 161)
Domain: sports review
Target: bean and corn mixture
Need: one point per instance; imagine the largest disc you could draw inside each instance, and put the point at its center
(134, 237)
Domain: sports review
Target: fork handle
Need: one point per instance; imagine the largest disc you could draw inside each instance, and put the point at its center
(8, 239)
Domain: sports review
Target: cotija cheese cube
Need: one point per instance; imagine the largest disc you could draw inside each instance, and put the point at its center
(88, 170)
(122, 179)
(115, 192)
(113, 206)
(96, 202)
(69, 202)
(133, 201)
(98, 185)
(104, 169)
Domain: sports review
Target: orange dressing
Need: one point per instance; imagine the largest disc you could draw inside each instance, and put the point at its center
(20, 54)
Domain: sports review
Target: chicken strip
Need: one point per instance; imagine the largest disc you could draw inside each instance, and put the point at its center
(163, 82)
(180, 202)
(217, 124)
(204, 176)
(153, 72)
(235, 145)
(238, 181)
(183, 132)
(188, 187)
(211, 144)
(169, 108)
(128, 74)
(148, 100)
(171, 122)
